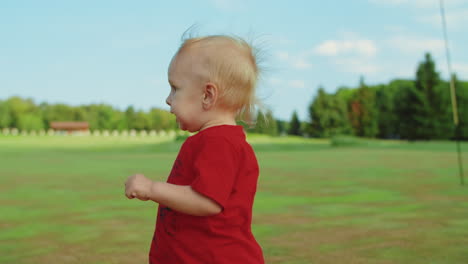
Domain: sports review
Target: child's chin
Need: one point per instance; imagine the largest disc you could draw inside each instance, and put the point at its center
(182, 126)
(185, 127)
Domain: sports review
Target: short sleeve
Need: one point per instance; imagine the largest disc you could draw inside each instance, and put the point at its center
(215, 169)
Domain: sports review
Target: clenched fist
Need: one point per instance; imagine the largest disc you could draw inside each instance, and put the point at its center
(138, 186)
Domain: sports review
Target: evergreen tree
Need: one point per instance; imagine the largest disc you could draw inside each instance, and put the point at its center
(272, 127)
(260, 123)
(265, 123)
(388, 121)
(461, 89)
(282, 127)
(294, 125)
(433, 95)
(412, 108)
(317, 114)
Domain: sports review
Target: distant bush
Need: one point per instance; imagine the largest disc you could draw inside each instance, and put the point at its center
(345, 141)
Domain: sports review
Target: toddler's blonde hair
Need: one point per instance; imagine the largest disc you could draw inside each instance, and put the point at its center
(231, 63)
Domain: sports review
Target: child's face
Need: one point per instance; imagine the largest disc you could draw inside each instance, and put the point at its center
(186, 97)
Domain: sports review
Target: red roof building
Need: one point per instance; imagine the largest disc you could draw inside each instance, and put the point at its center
(70, 127)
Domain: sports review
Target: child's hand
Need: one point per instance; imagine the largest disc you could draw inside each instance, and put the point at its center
(138, 186)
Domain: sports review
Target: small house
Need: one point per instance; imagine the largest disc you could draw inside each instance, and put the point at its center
(70, 127)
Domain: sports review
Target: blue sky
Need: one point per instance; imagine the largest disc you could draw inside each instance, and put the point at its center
(117, 52)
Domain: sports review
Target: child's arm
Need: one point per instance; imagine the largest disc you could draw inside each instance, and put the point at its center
(177, 197)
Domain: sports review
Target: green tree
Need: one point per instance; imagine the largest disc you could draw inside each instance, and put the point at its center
(282, 126)
(272, 126)
(141, 121)
(99, 116)
(441, 111)
(295, 125)
(30, 121)
(19, 107)
(5, 115)
(328, 115)
(78, 114)
(260, 123)
(413, 109)
(389, 121)
(346, 94)
(130, 117)
(265, 123)
(56, 112)
(462, 107)
(161, 119)
(436, 95)
(363, 112)
(119, 122)
(106, 117)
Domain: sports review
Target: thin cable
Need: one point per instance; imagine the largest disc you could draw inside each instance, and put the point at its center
(453, 93)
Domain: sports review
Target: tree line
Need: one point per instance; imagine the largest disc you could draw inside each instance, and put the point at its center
(24, 114)
(418, 109)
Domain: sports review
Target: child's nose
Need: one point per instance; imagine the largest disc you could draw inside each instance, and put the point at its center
(168, 100)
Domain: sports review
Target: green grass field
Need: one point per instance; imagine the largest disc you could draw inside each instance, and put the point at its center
(62, 200)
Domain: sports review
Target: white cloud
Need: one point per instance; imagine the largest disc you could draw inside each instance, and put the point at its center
(328, 48)
(353, 54)
(363, 47)
(412, 44)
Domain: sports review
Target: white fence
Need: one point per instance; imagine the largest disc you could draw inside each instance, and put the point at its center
(94, 133)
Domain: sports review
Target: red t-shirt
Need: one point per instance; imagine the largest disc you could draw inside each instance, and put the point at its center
(218, 163)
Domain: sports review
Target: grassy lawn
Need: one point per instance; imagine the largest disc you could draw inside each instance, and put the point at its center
(62, 200)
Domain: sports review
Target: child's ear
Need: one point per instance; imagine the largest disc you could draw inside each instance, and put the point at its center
(210, 95)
